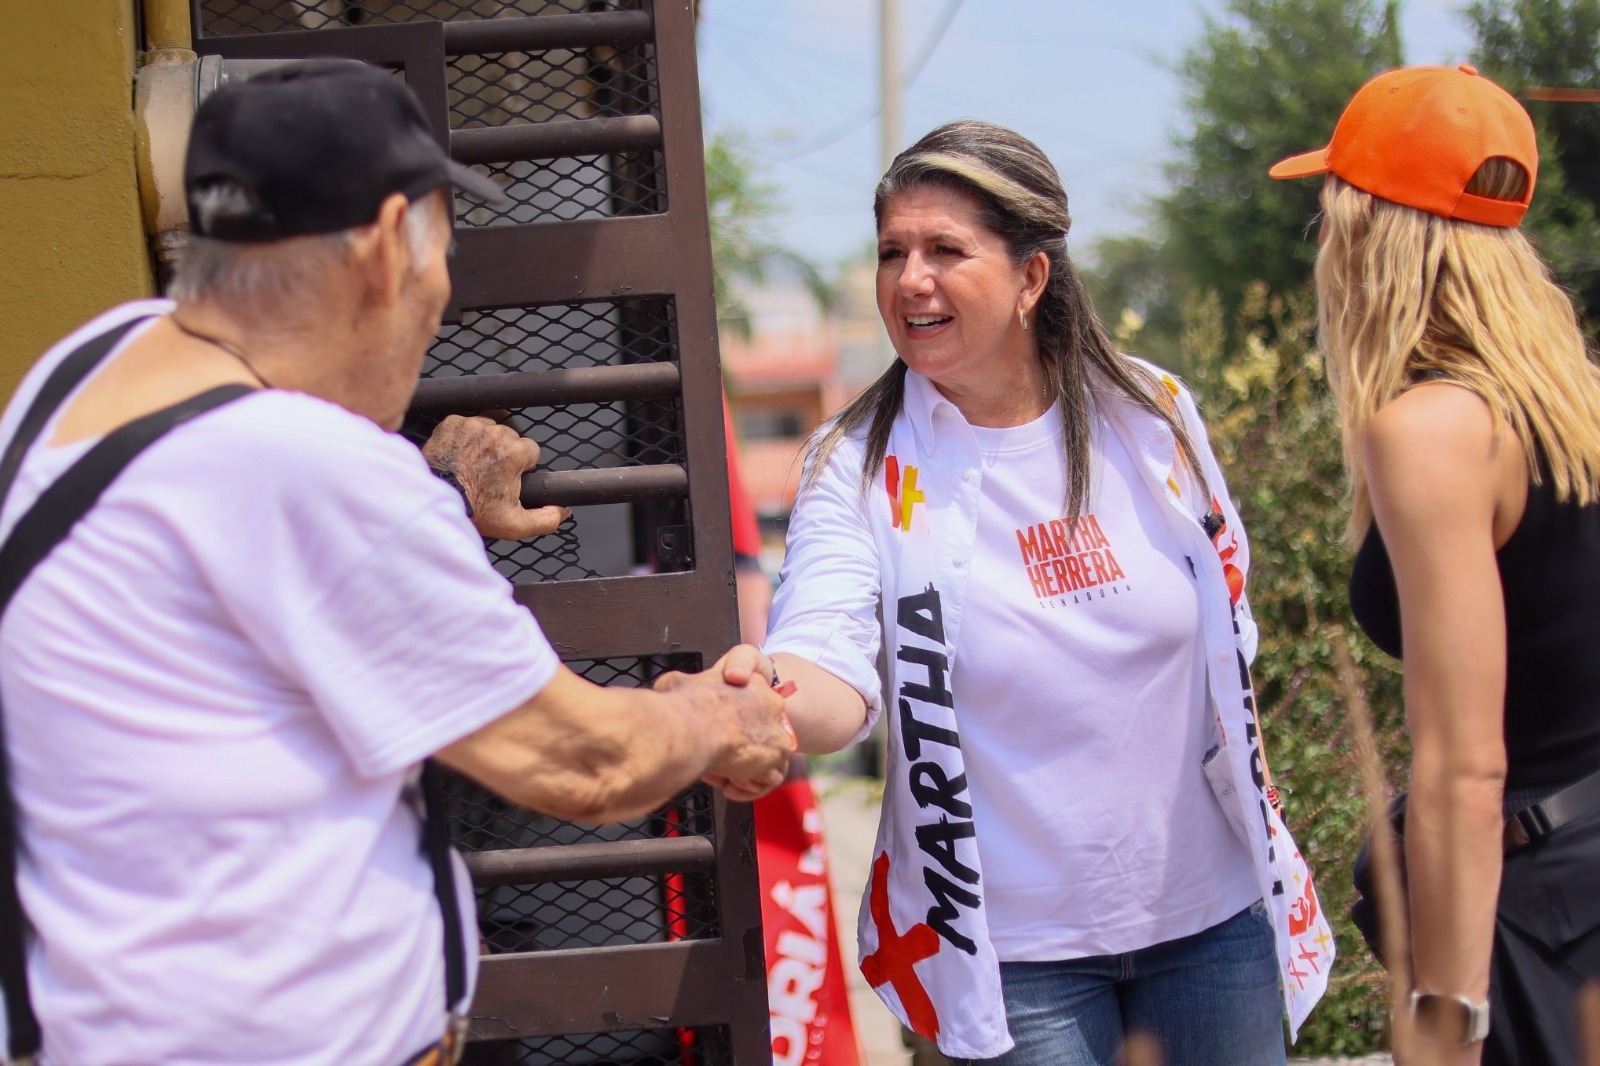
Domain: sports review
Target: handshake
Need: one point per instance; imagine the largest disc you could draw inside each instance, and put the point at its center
(577, 751)
(743, 709)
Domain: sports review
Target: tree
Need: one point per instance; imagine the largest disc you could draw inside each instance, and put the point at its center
(1266, 80)
(744, 242)
(1523, 43)
(1132, 284)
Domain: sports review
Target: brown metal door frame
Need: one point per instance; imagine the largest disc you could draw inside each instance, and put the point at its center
(717, 982)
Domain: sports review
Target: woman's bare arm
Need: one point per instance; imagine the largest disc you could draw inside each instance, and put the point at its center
(1441, 480)
(827, 713)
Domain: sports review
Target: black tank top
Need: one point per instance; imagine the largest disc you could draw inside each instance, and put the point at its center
(1550, 578)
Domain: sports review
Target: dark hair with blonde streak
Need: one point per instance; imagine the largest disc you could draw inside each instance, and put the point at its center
(1404, 296)
(1020, 200)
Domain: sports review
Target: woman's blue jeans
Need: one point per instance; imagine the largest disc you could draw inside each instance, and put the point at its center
(1210, 999)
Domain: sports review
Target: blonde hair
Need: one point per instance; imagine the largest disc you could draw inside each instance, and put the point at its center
(1403, 294)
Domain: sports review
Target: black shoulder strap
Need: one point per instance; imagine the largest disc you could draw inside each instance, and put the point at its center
(48, 522)
(57, 387)
(23, 1030)
(436, 840)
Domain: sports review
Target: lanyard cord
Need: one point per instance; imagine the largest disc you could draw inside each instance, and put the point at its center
(223, 345)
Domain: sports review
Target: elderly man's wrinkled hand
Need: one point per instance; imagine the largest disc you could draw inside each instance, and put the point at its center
(757, 736)
(746, 791)
(742, 662)
(488, 460)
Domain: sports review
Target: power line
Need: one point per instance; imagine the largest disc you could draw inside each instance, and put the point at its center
(845, 129)
(926, 53)
(832, 137)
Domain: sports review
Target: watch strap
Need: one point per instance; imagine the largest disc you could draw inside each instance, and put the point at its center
(448, 476)
(1474, 1016)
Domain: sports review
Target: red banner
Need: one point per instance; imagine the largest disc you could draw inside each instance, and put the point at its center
(806, 987)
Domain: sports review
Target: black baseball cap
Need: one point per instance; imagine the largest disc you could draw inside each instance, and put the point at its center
(312, 147)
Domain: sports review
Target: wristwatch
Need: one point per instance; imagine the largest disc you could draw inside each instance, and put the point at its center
(1454, 1018)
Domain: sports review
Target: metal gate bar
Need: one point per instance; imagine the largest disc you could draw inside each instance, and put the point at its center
(585, 862)
(584, 136)
(538, 33)
(547, 388)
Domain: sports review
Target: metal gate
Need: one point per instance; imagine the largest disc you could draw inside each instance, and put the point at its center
(584, 309)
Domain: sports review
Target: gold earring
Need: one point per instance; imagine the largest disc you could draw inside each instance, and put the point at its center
(1022, 316)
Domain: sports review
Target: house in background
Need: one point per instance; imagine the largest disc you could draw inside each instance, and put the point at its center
(796, 369)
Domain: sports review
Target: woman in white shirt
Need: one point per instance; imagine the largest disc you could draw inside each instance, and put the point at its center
(1076, 841)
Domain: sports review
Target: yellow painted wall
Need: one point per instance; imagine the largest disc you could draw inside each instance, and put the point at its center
(71, 240)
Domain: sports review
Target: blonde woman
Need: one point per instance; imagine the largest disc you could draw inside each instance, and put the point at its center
(1471, 418)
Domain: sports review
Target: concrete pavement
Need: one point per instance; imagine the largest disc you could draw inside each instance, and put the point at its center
(850, 824)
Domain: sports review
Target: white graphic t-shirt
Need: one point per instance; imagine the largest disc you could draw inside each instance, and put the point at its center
(1083, 676)
(888, 561)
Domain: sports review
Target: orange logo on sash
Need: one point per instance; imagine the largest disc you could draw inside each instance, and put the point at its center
(903, 492)
(1226, 550)
(1303, 913)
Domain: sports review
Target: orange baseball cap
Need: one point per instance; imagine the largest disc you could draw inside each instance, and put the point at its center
(1416, 136)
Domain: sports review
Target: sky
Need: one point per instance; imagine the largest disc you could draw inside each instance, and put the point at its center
(1090, 81)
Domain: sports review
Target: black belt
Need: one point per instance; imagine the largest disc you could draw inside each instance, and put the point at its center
(1538, 820)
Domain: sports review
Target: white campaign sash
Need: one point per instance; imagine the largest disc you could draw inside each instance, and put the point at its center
(924, 940)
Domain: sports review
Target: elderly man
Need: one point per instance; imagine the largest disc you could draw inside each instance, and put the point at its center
(219, 688)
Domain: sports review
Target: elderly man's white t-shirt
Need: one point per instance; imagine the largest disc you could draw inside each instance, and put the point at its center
(217, 692)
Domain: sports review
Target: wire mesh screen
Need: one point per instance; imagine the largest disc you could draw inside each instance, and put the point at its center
(515, 88)
(226, 18)
(650, 1047)
(597, 914)
(555, 336)
(570, 189)
(590, 913)
(558, 557)
(512, 88)
(480, 821)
